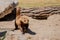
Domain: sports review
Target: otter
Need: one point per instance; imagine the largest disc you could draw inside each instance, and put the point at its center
(21, 22)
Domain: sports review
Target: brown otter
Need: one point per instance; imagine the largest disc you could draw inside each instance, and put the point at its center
(21, 22)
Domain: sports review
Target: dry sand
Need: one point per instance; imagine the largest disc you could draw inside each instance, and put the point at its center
(39, 29)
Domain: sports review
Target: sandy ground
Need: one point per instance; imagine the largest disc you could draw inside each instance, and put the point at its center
(48, 29)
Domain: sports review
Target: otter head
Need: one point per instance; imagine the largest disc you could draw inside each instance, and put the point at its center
(25, 20)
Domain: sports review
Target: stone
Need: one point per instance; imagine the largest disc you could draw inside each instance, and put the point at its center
(6, 7)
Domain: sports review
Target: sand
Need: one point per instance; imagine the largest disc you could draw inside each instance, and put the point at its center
(48, 29)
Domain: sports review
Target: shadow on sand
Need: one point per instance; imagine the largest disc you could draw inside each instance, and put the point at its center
(31, 32)
(45, 18)
(10, 16)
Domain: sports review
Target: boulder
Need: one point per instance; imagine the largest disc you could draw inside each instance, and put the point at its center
(6, 7)
(42, 12)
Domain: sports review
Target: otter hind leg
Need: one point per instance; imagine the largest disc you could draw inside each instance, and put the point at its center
(16, 26)
(25, 29)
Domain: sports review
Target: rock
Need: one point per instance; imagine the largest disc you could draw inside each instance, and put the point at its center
(26, 10)
(14, 35)
(42, 12)
(35, 11)
(6, 6)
